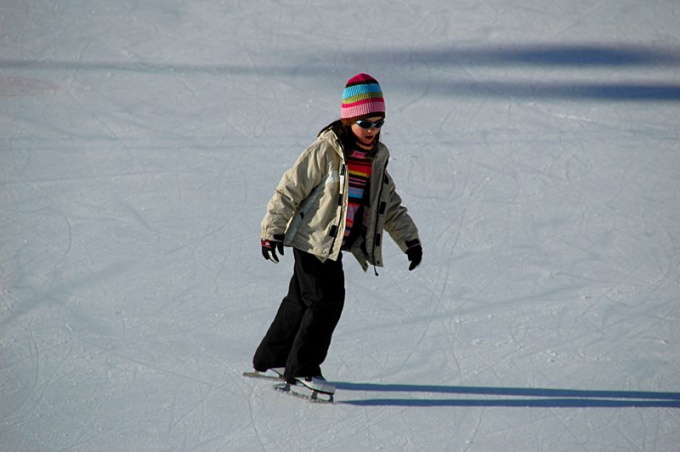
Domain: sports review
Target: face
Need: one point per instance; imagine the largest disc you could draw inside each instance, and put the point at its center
(366, 136)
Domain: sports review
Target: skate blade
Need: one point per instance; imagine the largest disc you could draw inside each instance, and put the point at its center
(308, 394)
(262, 375)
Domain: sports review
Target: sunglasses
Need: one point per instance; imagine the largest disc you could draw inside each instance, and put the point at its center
(366, 124)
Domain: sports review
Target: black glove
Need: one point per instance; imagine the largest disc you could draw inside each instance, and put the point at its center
(414, 253)
(269, 248)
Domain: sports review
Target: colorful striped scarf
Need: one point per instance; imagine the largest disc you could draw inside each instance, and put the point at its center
(359, 169)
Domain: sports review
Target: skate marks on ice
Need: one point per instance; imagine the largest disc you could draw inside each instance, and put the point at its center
(508, 397)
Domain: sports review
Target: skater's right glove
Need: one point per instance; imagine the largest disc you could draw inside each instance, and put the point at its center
(269, 248)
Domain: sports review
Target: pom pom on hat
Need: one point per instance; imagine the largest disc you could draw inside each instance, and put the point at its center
(362, 98)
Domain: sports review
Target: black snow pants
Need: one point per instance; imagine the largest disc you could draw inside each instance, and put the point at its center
(300, 335)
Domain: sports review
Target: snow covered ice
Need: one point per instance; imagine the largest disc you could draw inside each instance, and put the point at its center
(535, 144)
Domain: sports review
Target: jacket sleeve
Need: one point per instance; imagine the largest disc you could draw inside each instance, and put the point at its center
(295, 185)
(398, 222)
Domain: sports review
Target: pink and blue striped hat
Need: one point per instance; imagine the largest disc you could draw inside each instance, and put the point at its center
(362, 98)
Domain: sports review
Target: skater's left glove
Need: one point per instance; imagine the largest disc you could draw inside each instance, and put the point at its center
(414, 253)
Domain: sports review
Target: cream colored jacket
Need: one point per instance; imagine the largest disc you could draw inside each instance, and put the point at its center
(310, 203)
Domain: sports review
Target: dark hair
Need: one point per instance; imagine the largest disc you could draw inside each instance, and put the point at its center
(345, 135)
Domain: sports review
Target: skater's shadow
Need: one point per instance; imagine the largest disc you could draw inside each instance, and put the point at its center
(507, 397)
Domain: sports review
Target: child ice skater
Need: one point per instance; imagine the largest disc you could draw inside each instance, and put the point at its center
(338, 197)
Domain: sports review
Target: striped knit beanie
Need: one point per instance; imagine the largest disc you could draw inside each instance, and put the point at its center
(362, 98)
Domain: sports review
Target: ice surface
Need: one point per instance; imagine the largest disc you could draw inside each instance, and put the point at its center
(535, 144)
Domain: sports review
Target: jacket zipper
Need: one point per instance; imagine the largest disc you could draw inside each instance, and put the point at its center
(382, 184)
(343, 171)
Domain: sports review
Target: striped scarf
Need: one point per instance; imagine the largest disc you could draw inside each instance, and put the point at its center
(359, 168)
